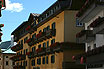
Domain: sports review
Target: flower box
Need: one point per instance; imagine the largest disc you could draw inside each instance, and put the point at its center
(29, 40)
(28, 53)
(28, 28)
(81, 33)
(39, 35)
(54, 45)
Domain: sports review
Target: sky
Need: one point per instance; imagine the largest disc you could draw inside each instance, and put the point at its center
(18, 11)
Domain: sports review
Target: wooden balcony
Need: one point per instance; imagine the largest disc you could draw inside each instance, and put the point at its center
(18, 67)
(98, 26)
(48, 50)
(56, 47)
(32, 54)
(89, 10)
(34, 27)
(41, 51)
(46, 35)
(72, 65)
(41, 37)
(50, 33)
(32, 41)
(60, 47)
(17, 47)
(85, 36)
(18, 57)
(95, 56)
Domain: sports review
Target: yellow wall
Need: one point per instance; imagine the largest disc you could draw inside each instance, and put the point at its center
(65, 31)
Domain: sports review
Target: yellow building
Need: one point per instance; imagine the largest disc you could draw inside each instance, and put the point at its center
(48, 40)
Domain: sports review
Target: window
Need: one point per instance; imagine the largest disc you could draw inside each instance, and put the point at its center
(18, 53)
(48, 28)
(43, 61)
(25, 39)
(53, 26)
(39, 46)
(44, 30)
(21, 63)
(33, 63)
(34, 35)
(39, 61)
(78, 23)
(6, 62)
(33, 49)
(34, 22)
(52, 59)
(13, 63)
(6, 56)
(40, 31)
(47, 44)
(21, 52)
(46, 59)
(94, 46)
(52, 41)
(25, 63)
(21, 42)
(44, 45)
(26, 50)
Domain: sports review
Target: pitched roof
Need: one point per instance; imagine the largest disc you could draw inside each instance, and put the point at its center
(5, 45)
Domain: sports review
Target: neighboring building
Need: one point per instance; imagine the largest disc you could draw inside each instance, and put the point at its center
(5, 62)
(48, 40)
(91, 16)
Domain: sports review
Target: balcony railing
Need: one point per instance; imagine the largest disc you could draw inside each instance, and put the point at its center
(94, 56)
(18, 67)
(56, 47)
(84, 36)
(98, 25)
(41, 36)
(46, 35)
(41, 51)
(34, 27)
(18, 57)
(17, 47)
(30, 29)
(89, 10)
(31, 41)
(31, 54)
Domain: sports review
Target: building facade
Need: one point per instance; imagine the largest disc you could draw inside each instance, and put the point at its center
(5, 62)
(47, 40)
(91, 16)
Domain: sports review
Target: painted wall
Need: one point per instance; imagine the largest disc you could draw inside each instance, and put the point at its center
(70, 28)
